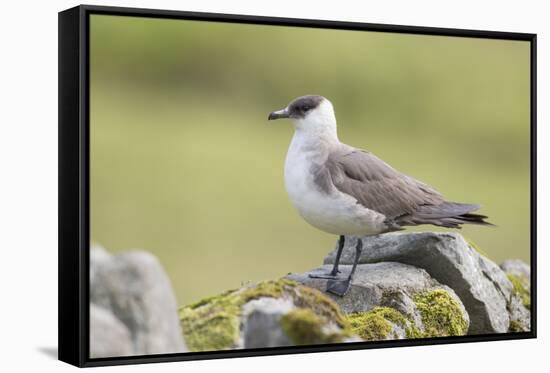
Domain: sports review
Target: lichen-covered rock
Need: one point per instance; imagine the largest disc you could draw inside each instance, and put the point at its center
(407, 285)
(483, 288)
(392, 300)
(517, 268)
(261, 319)
(267, 314)
(521, 289)
(520, 315)
(441, 314)
(304, 327)
(381, 323)
(134, 288)
(519, 275)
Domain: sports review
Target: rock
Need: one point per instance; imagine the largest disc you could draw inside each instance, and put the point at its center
(381, 323)
(262, 322)
(519, 269)
(388, 301)
(134, 288)
(519, 275)
(520, 315)
(484, 289)
(109, 335)
(267, 314)
(407, 285)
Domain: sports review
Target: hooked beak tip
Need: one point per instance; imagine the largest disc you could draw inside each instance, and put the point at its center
(278, 114)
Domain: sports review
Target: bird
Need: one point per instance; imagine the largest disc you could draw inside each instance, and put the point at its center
(347, 191)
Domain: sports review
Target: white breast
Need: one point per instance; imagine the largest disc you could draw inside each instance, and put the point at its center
(332, 212)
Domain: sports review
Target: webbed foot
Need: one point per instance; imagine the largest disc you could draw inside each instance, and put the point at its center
(326, 275)
(339, 288)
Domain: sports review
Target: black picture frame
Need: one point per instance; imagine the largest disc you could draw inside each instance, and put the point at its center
(74, 232)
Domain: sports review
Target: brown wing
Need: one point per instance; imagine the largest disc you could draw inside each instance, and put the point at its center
(378, 186)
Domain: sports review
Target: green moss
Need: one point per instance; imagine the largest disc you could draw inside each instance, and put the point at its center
(516, 326)
(376, 324)
(208, 300)
(441, 314)
(304, 327)
(271, 289)
(521, 289)
(411, 331)
(217, 331)
(306, 297)
(393, 315)
(213, 323)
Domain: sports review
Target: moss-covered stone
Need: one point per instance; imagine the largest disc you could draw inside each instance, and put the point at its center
(517, 326)
(214, 323)
(412, 331)
(441, 314)
(306, 297)
(520, 288)
(304, 327)
(271, 289)
(370, 326)
(377, 323)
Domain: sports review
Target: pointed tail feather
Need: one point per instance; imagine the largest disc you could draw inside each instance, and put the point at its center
(446, 214)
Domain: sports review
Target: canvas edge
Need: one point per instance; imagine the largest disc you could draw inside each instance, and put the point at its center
(73, 228)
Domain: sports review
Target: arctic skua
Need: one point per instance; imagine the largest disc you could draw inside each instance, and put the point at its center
(347, 191)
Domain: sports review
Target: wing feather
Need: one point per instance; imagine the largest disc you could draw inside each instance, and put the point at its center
(378, 186)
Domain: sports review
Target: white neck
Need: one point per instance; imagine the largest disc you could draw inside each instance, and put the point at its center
(318, 125)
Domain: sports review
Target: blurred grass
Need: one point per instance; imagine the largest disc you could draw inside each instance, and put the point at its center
(185, 165)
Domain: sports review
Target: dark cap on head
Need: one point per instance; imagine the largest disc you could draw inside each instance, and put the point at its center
(298, 108)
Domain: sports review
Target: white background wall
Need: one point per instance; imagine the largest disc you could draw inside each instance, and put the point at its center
(28, 183)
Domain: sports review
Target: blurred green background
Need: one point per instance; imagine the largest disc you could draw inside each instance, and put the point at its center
(184, 163)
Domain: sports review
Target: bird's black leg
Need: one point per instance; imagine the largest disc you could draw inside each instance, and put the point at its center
(341, 243)
(334, 273)
(339, 287)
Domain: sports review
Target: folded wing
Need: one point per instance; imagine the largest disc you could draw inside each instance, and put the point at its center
(401, 198)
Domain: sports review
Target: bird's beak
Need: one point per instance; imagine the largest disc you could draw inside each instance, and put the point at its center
(278, 114)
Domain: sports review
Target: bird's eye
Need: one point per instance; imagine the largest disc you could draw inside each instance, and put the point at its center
(305, 108)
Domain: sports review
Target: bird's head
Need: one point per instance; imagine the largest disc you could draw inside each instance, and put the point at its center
(310, 113)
